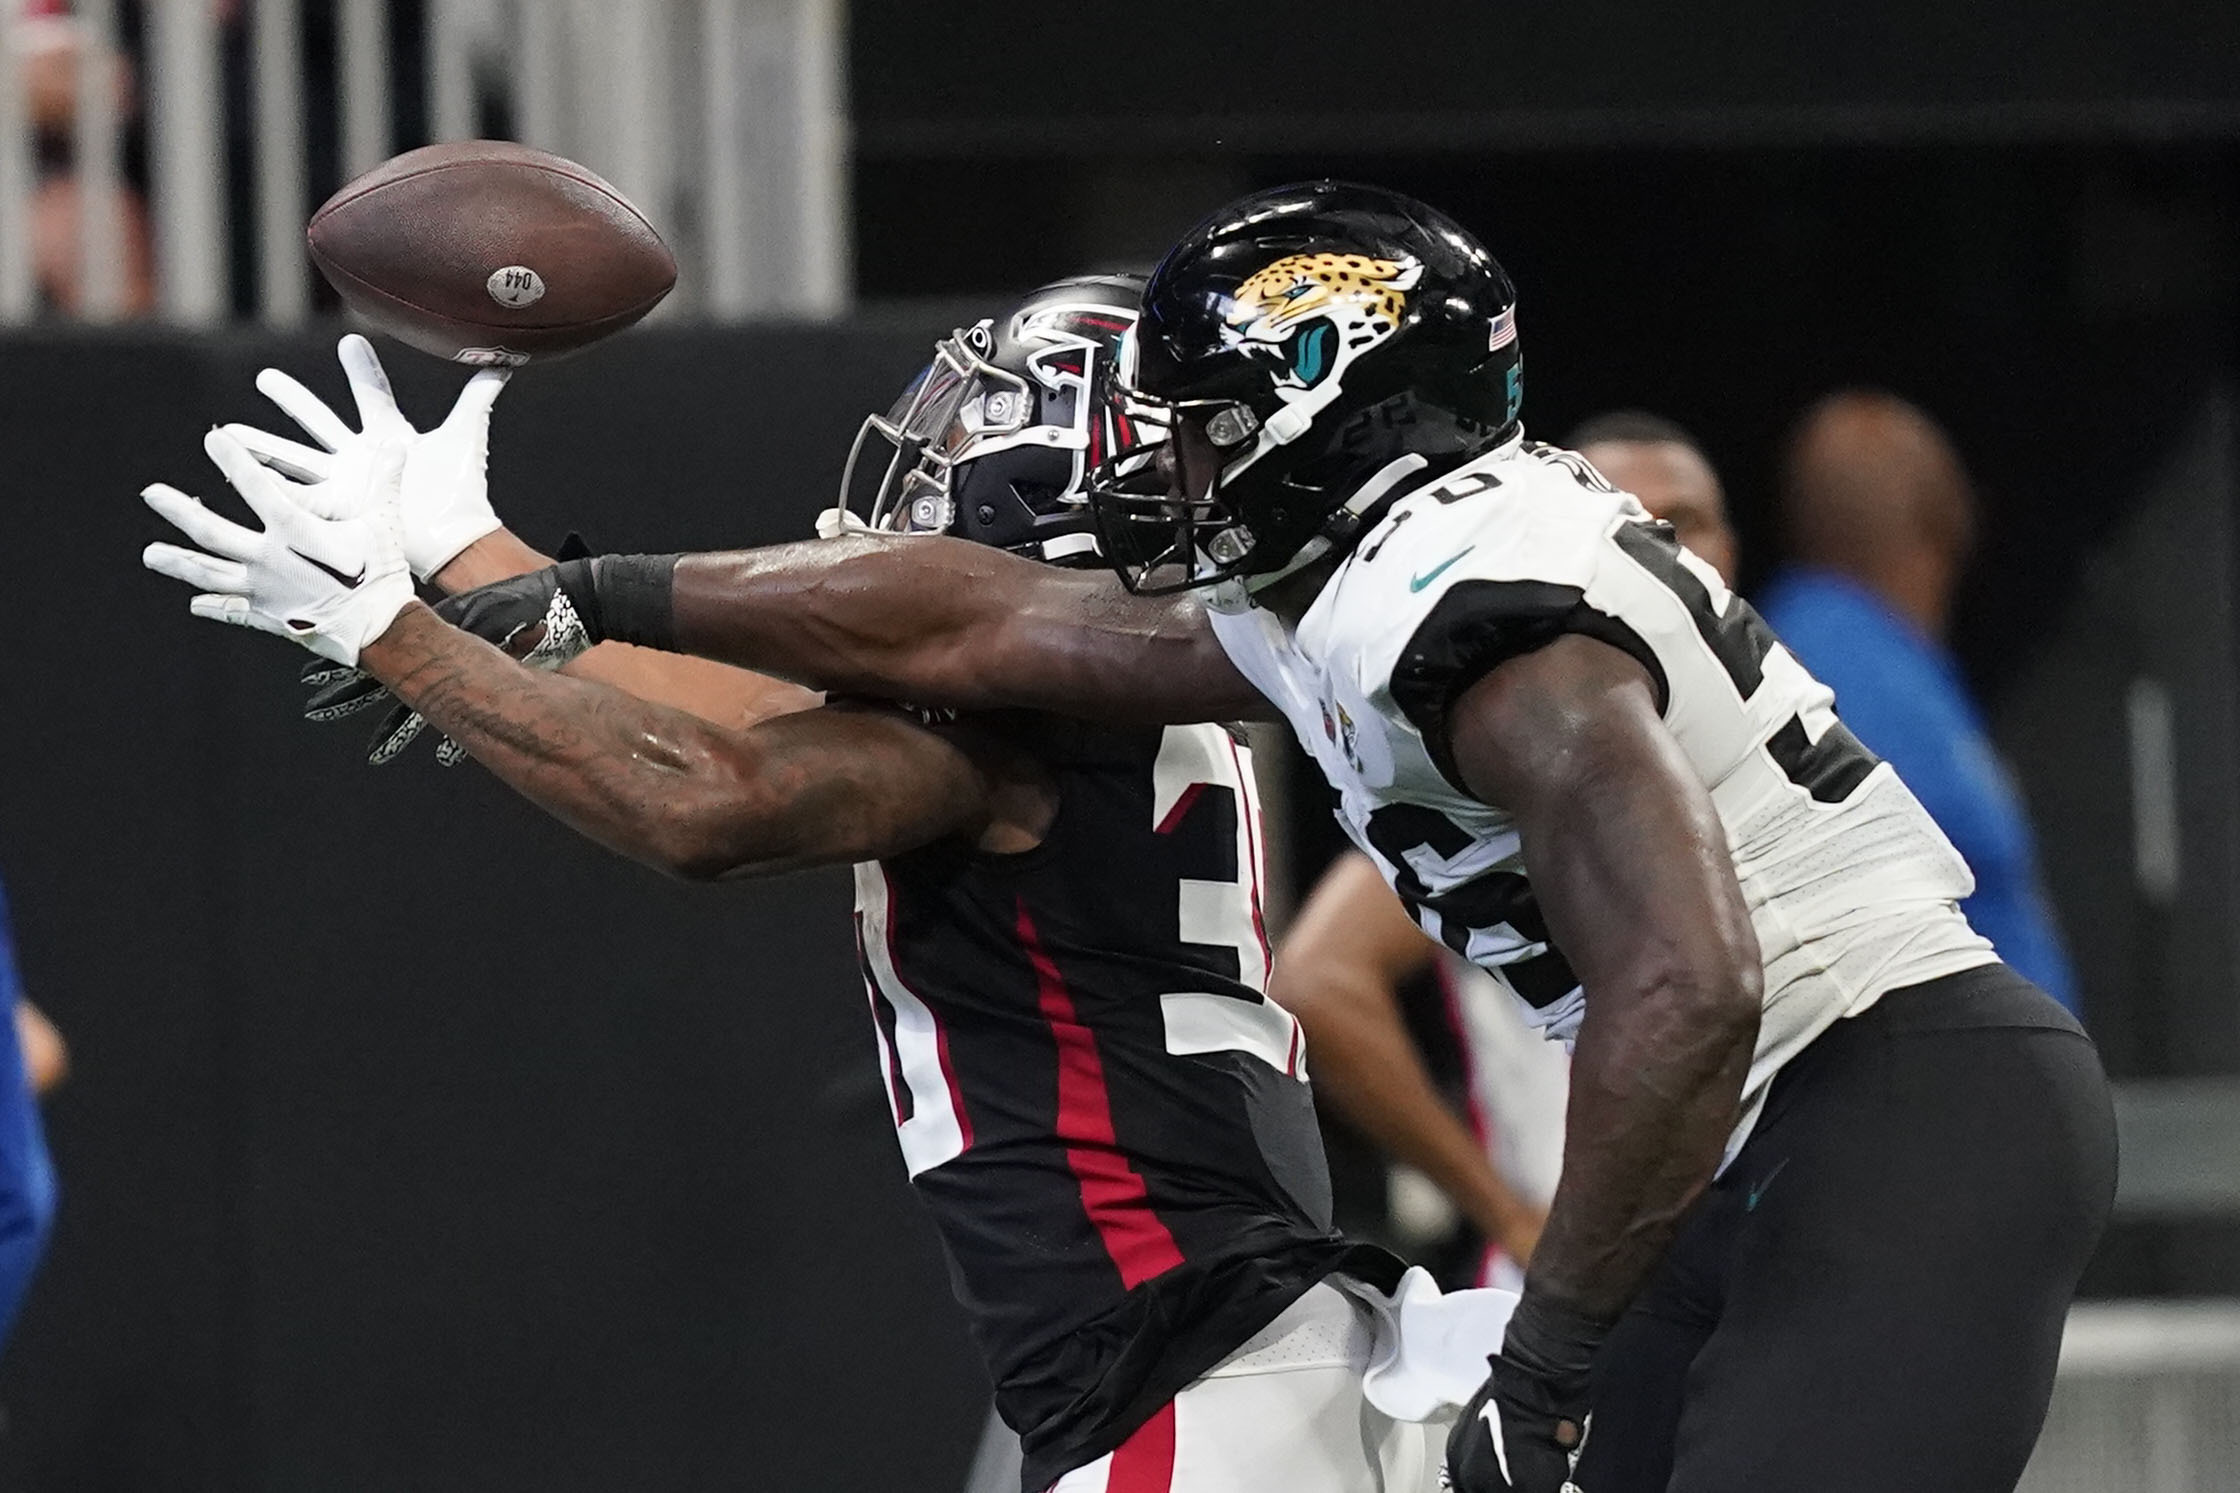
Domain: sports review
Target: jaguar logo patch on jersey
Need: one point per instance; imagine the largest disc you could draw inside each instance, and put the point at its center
(1349, 738)
(1322, 310)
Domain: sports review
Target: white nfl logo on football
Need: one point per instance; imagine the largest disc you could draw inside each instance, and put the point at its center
(516, 286)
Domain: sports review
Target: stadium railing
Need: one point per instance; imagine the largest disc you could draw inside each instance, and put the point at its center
(2148, 1401)
(725, 120)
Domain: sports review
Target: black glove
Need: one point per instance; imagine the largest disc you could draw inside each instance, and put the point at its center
(544, 618)
(1522, 1430)
(1518, 1434)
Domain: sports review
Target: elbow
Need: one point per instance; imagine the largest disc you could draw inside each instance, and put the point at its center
(689, 863)
(1717, 994)
(1698, 1000)
(702, 836)
(693, 847)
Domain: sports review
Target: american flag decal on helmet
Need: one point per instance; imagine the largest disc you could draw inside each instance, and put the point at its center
(1504, 330)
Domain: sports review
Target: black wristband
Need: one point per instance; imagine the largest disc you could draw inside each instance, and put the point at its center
(1552, 1342)
(636, 598)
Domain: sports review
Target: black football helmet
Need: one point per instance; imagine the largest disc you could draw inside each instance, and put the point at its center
(1303, 352)
(994, 440)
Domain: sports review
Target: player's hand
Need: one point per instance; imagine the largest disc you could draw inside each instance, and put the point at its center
(331, 584)
(533, 617)
(1518, 1434)
(446, 492)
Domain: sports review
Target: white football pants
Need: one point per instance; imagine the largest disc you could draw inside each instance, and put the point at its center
(1286, 1413)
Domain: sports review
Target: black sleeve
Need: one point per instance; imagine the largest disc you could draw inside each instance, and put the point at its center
(1477, 626)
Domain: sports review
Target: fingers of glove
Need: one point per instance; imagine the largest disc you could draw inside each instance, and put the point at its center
(395, 733)
(388, 465)
(196, 569)
(321, 672)
(480, 393)
(236, 610)
(498, 612)
(201, 571)
(291, 459)
(346, 696)
(214, 532)
(262, 491)
(307, 409)
(369, 385)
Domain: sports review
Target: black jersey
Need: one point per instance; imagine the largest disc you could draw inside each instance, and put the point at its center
(1108, 1120)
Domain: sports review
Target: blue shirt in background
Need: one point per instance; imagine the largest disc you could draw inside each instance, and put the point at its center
(26, 1173)
(1901, 693)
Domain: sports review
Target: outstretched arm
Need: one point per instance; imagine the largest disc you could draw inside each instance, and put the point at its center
(714, 692)
(670, 789)
(450, 534)
(940, 621)
(1633, 873)
(1339, 970)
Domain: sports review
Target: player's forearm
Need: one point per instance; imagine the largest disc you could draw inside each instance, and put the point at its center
(1636, 879)
(714, 692)
(945, 622)
(497, 556)
(1632, 871)
(1653, 1100)
(1364, 1061)
(648, 781)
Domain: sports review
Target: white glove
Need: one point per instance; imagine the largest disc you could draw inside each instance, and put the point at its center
(446, 484)
(331, 584)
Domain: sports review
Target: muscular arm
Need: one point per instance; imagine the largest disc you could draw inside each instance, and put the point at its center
(714, 692)
(1633, 873)
(667, 788)
(945, 622)
(1338, 971)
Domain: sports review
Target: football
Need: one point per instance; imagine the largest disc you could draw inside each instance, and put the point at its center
(490, 253)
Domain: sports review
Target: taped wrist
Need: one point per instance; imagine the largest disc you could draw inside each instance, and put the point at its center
(1553, 1343)
(634, 596)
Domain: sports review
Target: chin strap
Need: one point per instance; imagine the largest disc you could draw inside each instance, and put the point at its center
(834, 522)
(1348, 521)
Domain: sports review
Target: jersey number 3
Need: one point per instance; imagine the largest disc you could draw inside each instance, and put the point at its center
(1220, 911)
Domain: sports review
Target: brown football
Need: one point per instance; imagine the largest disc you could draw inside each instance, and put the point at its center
(490, 253)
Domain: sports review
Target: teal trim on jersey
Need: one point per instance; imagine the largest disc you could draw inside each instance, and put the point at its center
(1417, 583)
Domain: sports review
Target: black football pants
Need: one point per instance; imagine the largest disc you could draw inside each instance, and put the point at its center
(1870, 1299)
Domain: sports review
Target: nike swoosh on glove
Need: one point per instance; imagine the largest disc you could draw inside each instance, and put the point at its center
(331, 584)
(533, 617)
(445, 499)
(1518, 1434)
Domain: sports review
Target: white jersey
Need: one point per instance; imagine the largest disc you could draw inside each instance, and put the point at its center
(1851, 886)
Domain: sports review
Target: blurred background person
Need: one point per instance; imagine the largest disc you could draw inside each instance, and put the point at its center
(27, 1189)
(53, 48)
(1348, 962)
(1879, 517)
(1660, 463)
(1343, 970)
(46, 1058)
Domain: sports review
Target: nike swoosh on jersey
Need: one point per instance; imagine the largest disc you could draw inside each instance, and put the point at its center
(1417, 583)
(354, 581)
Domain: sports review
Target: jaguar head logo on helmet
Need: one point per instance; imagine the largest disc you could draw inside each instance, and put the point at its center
(1320, 310)
(1302, 355)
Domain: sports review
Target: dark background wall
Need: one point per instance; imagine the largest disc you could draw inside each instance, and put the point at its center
(413, 1141)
